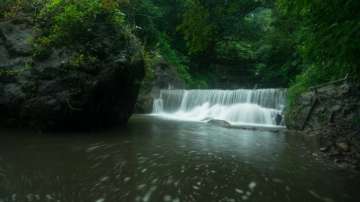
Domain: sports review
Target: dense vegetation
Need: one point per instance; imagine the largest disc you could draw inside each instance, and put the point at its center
(272, 43)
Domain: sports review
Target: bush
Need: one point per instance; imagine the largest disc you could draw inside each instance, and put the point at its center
(329, 34)
(175, 58)
(83, 25)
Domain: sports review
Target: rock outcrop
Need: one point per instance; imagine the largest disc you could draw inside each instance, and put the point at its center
(51, 94)
(165, 77)
(332, 113)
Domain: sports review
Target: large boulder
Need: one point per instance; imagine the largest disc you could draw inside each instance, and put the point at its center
(51, 94)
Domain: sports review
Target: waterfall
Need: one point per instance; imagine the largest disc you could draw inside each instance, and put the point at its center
(243, 106)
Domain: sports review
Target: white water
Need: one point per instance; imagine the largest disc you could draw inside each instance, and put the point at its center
(239, 107)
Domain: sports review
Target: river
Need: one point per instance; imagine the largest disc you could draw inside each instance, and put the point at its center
(156, 159)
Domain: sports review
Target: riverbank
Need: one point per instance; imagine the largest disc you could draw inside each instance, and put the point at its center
(332, 114)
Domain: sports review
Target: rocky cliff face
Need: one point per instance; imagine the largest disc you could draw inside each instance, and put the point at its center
(332, 113)
(165, 77)
(331, 104)
(51, 94)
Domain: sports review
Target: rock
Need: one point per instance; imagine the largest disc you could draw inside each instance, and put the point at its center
(334, 120)
(165, 77)
(50, 94)
(221, 123)
(17, 37)
(207, 119)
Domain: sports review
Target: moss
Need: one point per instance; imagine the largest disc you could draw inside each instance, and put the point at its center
(81, 59)
(82, 25)
(41, 47)
(12, 8)
(14, 71)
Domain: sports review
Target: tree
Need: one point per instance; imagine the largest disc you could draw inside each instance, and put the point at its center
(328, 36)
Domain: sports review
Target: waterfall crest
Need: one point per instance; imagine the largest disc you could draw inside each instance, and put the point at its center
(241, 106)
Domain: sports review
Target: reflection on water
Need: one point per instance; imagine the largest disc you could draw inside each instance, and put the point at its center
(162, 160)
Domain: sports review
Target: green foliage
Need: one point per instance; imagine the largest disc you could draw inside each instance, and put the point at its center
(175, 58)
(151, 59)
(246, 34)
(81, 22)
(328, 38)
(235, 50)
(205, 23)
(197, 28)
(143, 15)
(278, 61)
(82, 59)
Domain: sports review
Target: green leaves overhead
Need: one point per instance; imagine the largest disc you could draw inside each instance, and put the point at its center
(205, 23)
(199, 32)
(328, 40)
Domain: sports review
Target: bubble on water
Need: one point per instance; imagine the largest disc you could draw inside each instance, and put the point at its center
(176, 200)
(182, 169)
(155, 180)
(252, 185)
(142, 186)
(127, 179)
(90, 149)
(277, 180)
(196, 187)
(239, 191)
(167, 198)
(49, 197)
(100, 200)
(29, 197)
(148, 194)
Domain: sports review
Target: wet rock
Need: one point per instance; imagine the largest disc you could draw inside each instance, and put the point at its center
(221, 123)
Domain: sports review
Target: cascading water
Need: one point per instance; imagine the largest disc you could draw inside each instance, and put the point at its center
(249, 107)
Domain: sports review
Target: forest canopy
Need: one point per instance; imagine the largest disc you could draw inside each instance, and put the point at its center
(265, 43)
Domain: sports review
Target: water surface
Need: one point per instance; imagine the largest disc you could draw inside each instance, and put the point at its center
(166, 160)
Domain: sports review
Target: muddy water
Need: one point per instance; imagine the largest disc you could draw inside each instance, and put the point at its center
(162, 160)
